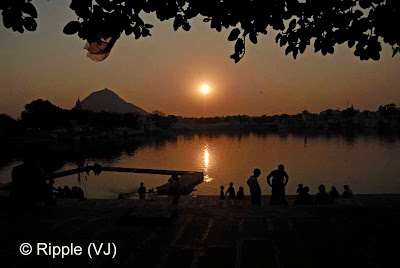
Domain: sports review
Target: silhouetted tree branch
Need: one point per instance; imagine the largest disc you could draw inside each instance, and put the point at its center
(364, 24)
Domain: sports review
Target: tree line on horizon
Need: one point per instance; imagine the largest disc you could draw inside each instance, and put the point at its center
(43, 115)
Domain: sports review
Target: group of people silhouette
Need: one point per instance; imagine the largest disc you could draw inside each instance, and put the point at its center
(66, 192)
(231, 191)
(174, 189)
(322, 197)
(277, 180)
(29, 186)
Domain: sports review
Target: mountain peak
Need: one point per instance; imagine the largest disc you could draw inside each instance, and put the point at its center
(105, 91)
(108, 101)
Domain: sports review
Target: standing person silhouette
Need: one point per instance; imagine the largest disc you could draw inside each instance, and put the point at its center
(142, 191)
(28, 184)
(175, 189)
(279, 180)
(255, 189)
(221, 193)
(231, 191)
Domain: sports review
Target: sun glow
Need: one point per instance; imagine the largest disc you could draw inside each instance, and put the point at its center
(205, 89)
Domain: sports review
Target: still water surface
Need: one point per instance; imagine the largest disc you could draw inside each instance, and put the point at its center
(369, 163)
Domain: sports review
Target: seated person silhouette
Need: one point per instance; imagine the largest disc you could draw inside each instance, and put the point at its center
(80, 194)
(279, 180)
(231, 191)
(304, 198)
(221, 194)
(334, 194)
(60, 192)
(240, 194)
(67, 192)
(308, 198)
(142, 191)
(49, 197)
(74, 191)
(347, 193)
(299, 188)
(322, 198)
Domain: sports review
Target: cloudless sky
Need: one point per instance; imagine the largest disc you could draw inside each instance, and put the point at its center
(165, 71)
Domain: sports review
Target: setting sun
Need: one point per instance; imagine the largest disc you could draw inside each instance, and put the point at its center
(205, 89)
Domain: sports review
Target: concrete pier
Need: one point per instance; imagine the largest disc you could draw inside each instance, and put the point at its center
(208, 232)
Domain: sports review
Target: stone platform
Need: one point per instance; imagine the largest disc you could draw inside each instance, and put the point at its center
(208, 232)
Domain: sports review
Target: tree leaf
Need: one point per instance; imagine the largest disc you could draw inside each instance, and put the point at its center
(395, 51)
(137, 32)
(283, 41)
(239, 46)
(358, 13)
(72, 27)
(178, 22)
(29, 9)
(234, 34)
(186, 27)
(145, 32)
(302, 48)
(364, 4)
(253, 38)
(216, 24)
(288, 50)
(128, 30)
(295, 52)
(292, 24)
(278, 36)
(7, 20)
(235, 57)
(30, 24)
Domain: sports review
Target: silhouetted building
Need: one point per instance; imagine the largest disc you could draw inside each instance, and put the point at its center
(78, 105)
(310, 120)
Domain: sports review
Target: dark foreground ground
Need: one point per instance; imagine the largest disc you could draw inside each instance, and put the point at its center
(207, 232)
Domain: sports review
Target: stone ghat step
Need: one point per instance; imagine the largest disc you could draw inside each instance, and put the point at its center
(217, 234)
(190, 201)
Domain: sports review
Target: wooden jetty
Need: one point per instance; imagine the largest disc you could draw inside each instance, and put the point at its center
(188, 179)
(117, 169)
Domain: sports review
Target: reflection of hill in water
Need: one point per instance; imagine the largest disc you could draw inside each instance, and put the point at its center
(54, 156)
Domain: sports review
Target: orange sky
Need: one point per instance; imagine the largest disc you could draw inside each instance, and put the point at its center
(166, 70)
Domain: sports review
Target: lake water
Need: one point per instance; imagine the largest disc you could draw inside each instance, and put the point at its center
(368, 162)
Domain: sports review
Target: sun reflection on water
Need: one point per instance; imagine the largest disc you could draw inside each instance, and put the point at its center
(206, 158)
(207, 178)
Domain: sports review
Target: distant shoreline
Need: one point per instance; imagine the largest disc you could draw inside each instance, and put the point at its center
(228, 131)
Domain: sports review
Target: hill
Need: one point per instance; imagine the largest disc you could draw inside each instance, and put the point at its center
(108, 101)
